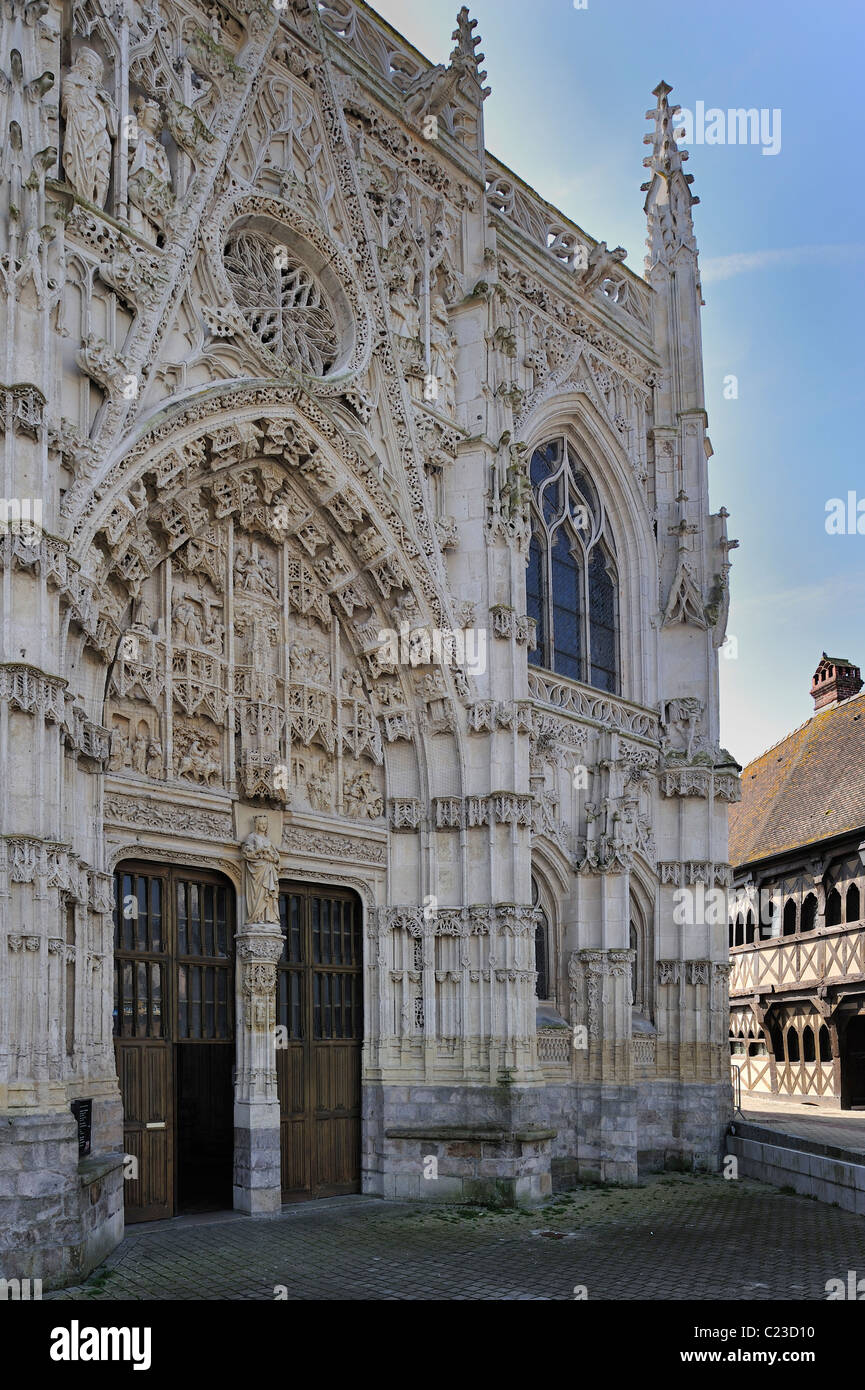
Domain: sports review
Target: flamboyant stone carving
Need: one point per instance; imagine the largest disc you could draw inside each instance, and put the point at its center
(289, 356)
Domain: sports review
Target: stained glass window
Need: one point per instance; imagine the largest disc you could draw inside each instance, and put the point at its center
(571, 580)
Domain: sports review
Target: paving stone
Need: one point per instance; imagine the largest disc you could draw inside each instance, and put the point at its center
(672, 1237)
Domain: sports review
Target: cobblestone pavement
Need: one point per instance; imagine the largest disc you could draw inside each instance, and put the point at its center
(845, 1129)
(674, 1237)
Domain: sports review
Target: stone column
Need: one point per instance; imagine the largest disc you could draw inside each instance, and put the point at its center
(257, 1183)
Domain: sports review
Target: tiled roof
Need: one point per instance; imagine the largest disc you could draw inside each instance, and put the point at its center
(809, 787)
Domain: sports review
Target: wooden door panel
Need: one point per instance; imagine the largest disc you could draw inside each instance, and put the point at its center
(337, 1149)
(318, 1073)
(144, 1069)
(337, 1082)
(291, 1080)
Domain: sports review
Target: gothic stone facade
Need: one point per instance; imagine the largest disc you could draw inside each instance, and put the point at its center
(294, 373)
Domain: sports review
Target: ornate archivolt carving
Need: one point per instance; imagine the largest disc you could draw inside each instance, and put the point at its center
(212, 645)
(217, 447)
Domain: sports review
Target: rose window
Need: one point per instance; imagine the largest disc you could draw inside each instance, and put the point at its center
(282, 302)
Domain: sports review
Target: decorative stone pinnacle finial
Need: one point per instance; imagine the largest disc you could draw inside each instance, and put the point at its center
(465, 53)
(666, 157)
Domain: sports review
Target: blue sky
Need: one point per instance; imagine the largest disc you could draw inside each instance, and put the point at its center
(781, 238)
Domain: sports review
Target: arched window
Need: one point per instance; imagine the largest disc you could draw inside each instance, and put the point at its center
(809, 913)
(808, 1052)
(790, 917)
(740, 931)
(777, 1042)
(749, 930)
(792, 1044)
(851, 913)
(571, 580)
(825, 1044)
(833, 909)
(641, 941)
(542, 946)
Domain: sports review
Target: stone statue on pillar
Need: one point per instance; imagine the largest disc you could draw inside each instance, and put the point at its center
(262, 874)
(91, 122)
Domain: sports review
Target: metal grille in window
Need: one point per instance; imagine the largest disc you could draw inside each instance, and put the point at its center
(571, 581)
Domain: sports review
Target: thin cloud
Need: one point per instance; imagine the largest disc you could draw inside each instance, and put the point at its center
(716, 268)
(804, 596)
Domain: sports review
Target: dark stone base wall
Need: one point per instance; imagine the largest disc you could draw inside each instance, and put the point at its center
(682, 1124)
(515, 1145)
(59, 1217)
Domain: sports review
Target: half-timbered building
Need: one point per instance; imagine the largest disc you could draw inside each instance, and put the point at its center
(797, 927)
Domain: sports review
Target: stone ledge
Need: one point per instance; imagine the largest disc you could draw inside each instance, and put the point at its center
(487, 1134)
(98, 1166)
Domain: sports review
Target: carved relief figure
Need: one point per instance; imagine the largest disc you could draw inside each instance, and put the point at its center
(442, 353)
(262, 874)
(361, 798)
(154, 758)
(150, 194)
(198, 762)
(254, 574)
(91, 123)
(118, 744)
(318, 789)
(139, 752)
(186, 622)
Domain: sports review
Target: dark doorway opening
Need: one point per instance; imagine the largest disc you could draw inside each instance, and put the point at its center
(853, 1064)
(174, 1037)
(205, 1126)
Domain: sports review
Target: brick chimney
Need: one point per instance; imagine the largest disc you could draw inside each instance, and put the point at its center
(834, 680)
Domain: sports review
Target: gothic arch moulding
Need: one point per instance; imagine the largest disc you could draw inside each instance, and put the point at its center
(245, 574)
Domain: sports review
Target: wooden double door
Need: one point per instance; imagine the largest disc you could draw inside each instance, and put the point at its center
(319, 1040)
(175, 1040)
(174, 1037)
